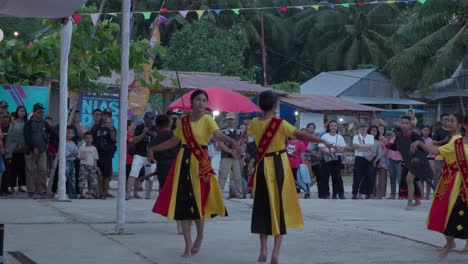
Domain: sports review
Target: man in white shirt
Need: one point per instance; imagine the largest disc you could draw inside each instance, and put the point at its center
(363, 145)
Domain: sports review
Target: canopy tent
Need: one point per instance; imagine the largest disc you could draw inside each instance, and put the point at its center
(39, 8)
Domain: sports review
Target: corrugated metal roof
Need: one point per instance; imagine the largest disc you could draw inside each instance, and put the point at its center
(197, 80)
(382, 101)
(333, 83)
(316, 102)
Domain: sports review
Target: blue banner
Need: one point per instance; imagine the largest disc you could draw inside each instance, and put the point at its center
(101, 99)
(17, 95)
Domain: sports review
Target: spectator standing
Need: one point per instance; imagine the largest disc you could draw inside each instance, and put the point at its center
(2, 164)
(89, 157)
(332, 162)
(15, 149)
(231, 161)
(165, 158)
(296, 151)
(394, 167)
(382, 166)
(5, 126)
(364, 153)
(142, 137)
(426, 133)
(369, 184)
(104, 139)
(71, 153)
(35, 136)
(78, 131)
(440, 137)
(313, 156)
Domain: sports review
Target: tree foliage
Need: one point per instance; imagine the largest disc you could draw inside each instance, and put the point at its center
(94, 53)
(202, 46)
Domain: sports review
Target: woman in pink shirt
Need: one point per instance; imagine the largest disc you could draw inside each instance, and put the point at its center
(427, 137)
(295, 150)
(394, 168)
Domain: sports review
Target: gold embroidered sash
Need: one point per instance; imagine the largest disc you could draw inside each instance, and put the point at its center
(463, 166)
(204, 170)
(265, 141)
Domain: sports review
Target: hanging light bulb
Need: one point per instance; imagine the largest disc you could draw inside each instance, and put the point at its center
(1, 35)
(16, 33)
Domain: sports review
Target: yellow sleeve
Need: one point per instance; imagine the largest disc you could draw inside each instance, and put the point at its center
(251, 130)
(178, 131)
(288, 129)
(210, 125)
(449, 148)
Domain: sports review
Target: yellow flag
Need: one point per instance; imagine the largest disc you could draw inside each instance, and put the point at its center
(200, 13)
(316, 7)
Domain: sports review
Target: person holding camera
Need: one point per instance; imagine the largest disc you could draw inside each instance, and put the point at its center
(143, 135)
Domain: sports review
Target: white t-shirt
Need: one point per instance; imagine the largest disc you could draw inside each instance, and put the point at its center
(88, 155)
(359, 140)
(336, 140)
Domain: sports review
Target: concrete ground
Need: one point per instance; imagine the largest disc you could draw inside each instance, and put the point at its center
(336, 231)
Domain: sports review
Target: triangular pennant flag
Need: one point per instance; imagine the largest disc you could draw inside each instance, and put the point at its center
(391, 1)
(200, 13)
(236, 11)
(361, 4)
(422, 1)
(345, 5)
(146, 15)
(163, 10)
(94, 18)
(217, 11)
(183, 13)
(77, 18)
(299, 7)
(406, 1)
(161, 20)
(30, 45)
(330, 5)
(316, 7)
(112, 14)
(283, 8)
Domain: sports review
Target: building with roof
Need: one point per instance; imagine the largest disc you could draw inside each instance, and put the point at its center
(364, 86)
(447, 96)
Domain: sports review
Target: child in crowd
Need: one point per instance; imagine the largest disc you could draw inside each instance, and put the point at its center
(71, 154)
(88, 166)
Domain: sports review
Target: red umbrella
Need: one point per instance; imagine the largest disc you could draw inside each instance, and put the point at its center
(220, 99)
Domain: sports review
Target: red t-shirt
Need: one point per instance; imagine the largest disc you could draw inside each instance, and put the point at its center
(294, 150)
(129, 141)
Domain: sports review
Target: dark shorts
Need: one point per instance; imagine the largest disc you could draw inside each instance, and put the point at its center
(105, 165)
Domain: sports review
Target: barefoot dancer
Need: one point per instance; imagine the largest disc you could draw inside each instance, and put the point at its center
(275, 205)
(191, 191)
(449, 211)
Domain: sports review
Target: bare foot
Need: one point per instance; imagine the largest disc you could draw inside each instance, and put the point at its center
(274, 260)
(447, 248)
(187, 252)
(196, 246)
(262, 258)
(442, 248)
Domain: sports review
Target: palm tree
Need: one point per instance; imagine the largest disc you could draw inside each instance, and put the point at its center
(430, 45)
(342, 38)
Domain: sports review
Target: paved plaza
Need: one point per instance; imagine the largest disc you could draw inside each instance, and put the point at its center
(336, 231)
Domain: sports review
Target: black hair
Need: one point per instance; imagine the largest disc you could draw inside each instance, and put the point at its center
(129, 122)
(430, 130)
(70, 128)
(162, 121)
(376, 128)
(407, 118)
(328, 125)
(97, 110)
(15, 114)
(443, 115)
(197, 93)
(267, 100)
(311, 124)
(384, 129)
(465, 121)
(48, 118)
(87, 133)
(459, 117)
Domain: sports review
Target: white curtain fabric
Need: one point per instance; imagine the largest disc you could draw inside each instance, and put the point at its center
(39, 8)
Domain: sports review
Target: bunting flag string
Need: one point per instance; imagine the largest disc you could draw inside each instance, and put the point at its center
(237, 11)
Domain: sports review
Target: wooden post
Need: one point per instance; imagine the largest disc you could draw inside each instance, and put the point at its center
(263, 53)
